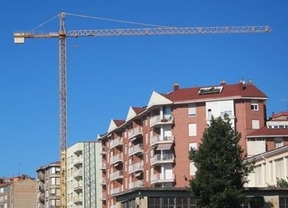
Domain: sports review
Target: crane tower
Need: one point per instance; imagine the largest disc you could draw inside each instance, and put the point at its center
(62, 34)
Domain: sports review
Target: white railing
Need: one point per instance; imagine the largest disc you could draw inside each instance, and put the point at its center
(167, 157)
(115, 190)
(162, 178)
(135, 131)
(115, 142)
(116, 174)
(77, 173)
(161, 139)
(136, 184)
(116, 158)
(159, 119)
(135, 149)
(135, 166)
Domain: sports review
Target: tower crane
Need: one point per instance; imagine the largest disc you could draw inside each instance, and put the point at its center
(62, 34)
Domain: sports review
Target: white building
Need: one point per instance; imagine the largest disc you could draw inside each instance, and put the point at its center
(83, 175)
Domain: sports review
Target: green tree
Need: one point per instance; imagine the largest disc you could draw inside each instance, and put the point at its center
(221, 171)
(282, 183)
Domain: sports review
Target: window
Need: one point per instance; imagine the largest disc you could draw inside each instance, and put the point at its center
(192, 110)
(192, 129)
(254, 105)
(283, 202)
(278, 142)
(255, 124)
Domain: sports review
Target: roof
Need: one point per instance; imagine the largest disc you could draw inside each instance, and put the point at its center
(228, 90)
(269, 132)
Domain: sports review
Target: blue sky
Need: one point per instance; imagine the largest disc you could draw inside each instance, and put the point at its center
(107, 75)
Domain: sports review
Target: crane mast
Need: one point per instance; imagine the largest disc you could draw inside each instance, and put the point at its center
(63, 111)
(62, 34)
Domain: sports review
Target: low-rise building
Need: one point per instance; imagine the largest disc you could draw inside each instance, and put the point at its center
(18, 192)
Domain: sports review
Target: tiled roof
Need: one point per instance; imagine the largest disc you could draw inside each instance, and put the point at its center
(118, 122)
(138, 109)
(228, 90)
(268, 132)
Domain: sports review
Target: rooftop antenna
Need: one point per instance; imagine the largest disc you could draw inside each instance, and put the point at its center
(19, 166)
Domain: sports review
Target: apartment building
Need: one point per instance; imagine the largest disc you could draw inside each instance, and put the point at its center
(145, 156)
(269, 148)
(83, 175)
(18, 192)
(48, 183)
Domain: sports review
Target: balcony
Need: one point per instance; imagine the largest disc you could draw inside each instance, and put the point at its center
(137, 131)
(162, 158)
(116, 142)
(135, 167)
(161, 139)
(41, 189)
(42, 198)
(103, 151)
(78, 174)
(103, 181)
(158, 120)
(117, 158)
(115, 190)
(116, 175)
(102, 197)
(160, 178)
(78, 152)
(136, 184)
(77, 187)
(77, 199)
(78, 162)
(135, 149)
(41, 176)
(102, 166)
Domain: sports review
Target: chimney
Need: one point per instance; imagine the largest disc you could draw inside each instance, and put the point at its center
(175, 86)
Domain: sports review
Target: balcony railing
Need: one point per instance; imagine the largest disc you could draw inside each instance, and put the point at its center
(135, 132)
(136, 184)
(103, 151)
(116, 142)
(158, 178)
(158, 139)
(135, 149)
(116, 158)
(77, 187)
(78, 173)
(102, 166)
(102, 197)
(77, 199)
(41, 176)
(162, 158)
(115, 190)
(103, 181)
(78, 161)
(135, 167)
(116, 175)
(158, 120)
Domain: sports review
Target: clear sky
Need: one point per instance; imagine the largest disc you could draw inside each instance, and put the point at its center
(107, 75)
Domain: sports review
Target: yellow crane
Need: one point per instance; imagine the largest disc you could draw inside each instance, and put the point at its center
(62, 34)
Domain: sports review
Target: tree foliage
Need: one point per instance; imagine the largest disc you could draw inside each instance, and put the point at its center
(282, 183)
(221, 171)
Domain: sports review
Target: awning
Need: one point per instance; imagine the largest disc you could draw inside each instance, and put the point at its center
(164, 146)
(138, 174)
